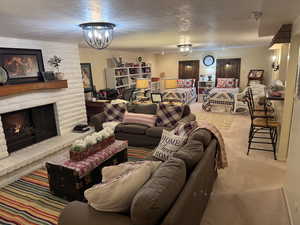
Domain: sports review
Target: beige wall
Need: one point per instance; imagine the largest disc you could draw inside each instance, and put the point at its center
(98, 60)
(292, 110)
(252, 58)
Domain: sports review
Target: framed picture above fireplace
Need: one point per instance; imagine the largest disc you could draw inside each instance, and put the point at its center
(22, 65)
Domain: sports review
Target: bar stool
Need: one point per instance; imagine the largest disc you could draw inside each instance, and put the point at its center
(262, 125)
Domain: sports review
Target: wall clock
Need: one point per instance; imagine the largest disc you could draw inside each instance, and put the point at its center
(208, 60)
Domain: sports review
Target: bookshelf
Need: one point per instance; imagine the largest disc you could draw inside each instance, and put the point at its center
(125, 77)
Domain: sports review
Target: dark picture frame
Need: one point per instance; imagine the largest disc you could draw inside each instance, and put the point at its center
(256, 74)
(22, 65)
(156, 97)
(87, 77)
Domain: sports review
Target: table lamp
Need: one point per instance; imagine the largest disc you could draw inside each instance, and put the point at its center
(170, 83)
(142, 84)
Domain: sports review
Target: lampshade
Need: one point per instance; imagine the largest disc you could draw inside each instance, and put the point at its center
(142, 83)
(98, 35)
(169, 84)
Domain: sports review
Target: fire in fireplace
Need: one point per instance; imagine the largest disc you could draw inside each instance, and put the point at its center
(29, 126)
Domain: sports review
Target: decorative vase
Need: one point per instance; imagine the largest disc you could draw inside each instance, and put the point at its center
(59, 75)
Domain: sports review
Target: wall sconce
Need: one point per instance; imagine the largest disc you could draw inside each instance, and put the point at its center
(275, 65)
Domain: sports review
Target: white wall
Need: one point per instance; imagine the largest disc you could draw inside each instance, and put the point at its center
(70, 105)
(252, 58)
(98, 60)
(292, 186)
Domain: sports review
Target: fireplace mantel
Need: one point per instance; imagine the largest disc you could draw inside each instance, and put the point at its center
(7, 90)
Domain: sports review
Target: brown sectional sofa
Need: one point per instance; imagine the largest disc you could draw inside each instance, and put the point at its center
(139, 135)
(187, 208)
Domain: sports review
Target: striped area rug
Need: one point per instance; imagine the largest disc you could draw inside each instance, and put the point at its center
(29, 202)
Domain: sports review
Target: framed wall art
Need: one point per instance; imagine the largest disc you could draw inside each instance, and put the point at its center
(22, 65)
(87, 78)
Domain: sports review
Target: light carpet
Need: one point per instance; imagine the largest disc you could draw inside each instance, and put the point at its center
(248, 192)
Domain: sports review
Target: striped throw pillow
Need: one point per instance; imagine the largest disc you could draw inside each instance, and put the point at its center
(145, 119)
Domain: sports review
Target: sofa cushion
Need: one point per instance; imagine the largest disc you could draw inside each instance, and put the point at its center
(120, 187)
(140, 118)
(202, 135)
(191, 153)
(168, 115)
(168, 145)
(142, 108)
(131, 128)
(114, 112)
(156, 197)
(154, 132)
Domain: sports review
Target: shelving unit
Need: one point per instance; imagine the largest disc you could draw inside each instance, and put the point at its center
(125, 77)
(203, 88)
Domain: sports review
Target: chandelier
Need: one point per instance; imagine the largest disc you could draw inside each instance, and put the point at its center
(185, 49)
(98, 35)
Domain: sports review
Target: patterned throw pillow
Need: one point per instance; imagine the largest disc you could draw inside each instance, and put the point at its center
(221, 83)
(168, 115)
(114, 112)
(140, 118)
(225, 83)
(188, 83)
(168, 145)
(184, 129)
(180, 83)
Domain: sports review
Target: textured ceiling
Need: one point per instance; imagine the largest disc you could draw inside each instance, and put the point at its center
(150, 25)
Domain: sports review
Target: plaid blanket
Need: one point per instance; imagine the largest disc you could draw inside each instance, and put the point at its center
(221, 156)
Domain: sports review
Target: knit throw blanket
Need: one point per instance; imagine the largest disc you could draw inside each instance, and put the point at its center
(221, 156)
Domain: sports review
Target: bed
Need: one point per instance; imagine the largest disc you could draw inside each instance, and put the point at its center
(184, 95)
(223, 95)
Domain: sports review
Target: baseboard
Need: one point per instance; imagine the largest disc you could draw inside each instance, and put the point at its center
(286, 200)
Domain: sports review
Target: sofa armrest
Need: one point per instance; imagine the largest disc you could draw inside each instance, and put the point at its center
(97, 121)
(188, 118)
(79, 213)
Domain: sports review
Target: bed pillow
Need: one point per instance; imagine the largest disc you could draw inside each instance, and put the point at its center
(168, 145)
(180, 83)
(188, 83)
(145, 119)
(168, 115)
(114, 112)
(117, 193)
(221, 83)
(225, 83)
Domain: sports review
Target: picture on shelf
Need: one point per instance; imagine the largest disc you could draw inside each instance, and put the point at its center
(22, 65)
(87, 78)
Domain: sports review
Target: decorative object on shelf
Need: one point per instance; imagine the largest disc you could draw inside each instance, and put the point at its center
(55, 62)
(3, 75)
(87, 78)
(48, 76)
(185, 49)
(275, 64)
(140, 59)
(91, 144)
(256, 75)
(22, 65)
(209, 77)
(208, 60)
(98, 35)
(156, 97)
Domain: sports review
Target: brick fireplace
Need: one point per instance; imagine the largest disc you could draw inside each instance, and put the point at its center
(26, 127)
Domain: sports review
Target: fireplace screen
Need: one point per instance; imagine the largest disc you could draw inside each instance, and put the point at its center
(29, 126)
